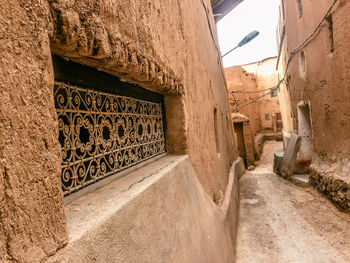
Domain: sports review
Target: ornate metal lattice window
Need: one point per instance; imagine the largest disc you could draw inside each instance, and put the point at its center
(102, 133)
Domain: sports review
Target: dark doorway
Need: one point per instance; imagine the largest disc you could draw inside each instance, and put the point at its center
(279, 122)
(240, 141)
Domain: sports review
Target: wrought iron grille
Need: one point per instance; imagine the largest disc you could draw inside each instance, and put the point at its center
(103, 133)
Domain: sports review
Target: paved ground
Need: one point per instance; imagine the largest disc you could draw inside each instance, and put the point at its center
(281, 222)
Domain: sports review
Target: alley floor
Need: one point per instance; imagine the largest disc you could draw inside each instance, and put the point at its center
(281, 222)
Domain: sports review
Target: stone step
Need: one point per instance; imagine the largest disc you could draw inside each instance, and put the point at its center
(302, 180)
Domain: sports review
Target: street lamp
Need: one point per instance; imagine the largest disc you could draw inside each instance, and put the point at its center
(244, 41)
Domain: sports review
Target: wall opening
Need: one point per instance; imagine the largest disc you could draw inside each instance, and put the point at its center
(105, 125)
(279, 122)
(240, 141)
(274, 92)
(305, 131)
(302, 63)
(300, 8)
(330, 27)
(216, 131)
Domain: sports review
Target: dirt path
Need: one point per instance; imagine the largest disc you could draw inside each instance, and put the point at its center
(281, 222)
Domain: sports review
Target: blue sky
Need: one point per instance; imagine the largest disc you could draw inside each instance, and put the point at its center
(260, 15)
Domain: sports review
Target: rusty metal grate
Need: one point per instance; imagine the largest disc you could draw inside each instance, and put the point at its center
(103, 133)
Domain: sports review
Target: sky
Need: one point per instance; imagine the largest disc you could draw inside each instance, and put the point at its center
(260, 15)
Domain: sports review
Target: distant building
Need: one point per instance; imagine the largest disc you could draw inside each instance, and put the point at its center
(252, 92)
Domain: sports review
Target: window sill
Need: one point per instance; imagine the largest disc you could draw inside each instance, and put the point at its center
(108, 180)
(91, 210)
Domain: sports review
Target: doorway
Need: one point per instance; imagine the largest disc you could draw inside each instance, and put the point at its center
(240, 141)
(279, 122)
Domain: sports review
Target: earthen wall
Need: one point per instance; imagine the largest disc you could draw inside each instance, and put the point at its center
(166, 46)
(239, 79)
(323, 85)
(319, 76)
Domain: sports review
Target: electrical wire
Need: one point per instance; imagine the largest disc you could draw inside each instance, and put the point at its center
(256, 91)
(214, 39)
(255, 100)
(210, 28)
(243, 101)
(258, 98)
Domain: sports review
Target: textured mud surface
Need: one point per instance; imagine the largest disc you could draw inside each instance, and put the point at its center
(335, 189)
(158, 44)
(32, 222)
(327, 76)
(280, 222)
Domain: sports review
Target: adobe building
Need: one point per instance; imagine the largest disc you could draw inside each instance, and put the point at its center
(315, 96)
(249, 88)
(267, 78)
(95, 91)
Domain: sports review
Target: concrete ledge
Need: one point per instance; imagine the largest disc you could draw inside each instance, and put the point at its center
(159, 213)
(93, 187)
(301, 180)
(230, 206)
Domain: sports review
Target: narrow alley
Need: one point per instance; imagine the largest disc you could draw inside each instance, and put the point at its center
(281, 222)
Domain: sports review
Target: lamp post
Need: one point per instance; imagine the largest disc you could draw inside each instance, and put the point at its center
(244, 41)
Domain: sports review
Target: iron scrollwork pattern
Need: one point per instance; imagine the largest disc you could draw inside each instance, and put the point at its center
(102, 133)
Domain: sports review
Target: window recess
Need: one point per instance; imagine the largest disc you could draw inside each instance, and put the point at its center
(300, 8)
(105, 125)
